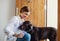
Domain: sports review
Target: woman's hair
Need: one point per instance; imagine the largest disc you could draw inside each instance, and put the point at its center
(24, 9)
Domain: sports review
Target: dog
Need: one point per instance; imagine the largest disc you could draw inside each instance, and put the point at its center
(39, 33)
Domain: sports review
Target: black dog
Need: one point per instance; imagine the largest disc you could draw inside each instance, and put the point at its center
(39, 33)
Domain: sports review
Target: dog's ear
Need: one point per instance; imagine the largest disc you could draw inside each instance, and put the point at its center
(26, 22)
(21, 27)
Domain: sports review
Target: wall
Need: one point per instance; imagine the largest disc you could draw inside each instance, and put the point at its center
(52, 13)
(7, 10)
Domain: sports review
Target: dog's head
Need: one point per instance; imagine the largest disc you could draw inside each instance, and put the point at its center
(27, 26)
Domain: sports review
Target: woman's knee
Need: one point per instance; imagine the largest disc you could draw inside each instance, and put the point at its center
(28, 36)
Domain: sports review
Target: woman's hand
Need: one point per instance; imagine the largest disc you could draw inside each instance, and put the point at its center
(21, 35)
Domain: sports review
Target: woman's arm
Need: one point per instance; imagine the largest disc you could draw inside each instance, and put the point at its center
(9, 28)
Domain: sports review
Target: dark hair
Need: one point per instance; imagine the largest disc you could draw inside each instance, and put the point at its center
(24, 9)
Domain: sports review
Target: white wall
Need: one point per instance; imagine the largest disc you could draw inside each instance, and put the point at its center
(7, 10)
(52, 13)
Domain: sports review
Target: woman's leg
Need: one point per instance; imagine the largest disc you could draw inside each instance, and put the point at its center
(27, 37)
(19, 39)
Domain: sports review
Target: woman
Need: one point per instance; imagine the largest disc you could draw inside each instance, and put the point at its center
(12, 28)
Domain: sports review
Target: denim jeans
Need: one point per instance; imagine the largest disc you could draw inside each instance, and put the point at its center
(27, 37)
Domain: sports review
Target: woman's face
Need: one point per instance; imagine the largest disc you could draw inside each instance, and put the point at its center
(25, 14)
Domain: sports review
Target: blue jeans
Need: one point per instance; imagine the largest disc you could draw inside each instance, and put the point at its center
(27, 37)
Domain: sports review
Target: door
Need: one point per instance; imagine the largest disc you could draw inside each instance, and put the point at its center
(37, 16)
(58, 21)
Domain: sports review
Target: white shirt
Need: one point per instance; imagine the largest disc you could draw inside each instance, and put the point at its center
(13, 25)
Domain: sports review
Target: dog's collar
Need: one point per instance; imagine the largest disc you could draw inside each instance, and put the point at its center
(30, 29)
